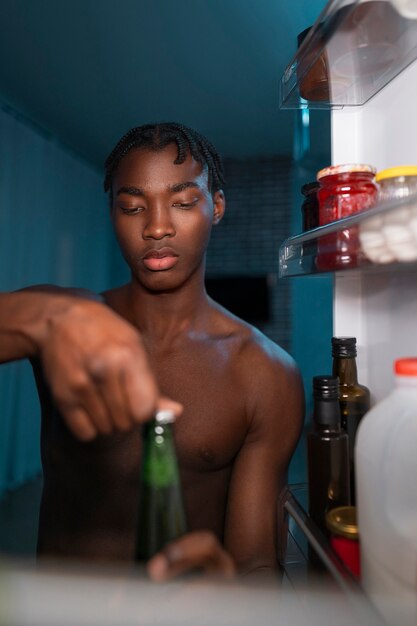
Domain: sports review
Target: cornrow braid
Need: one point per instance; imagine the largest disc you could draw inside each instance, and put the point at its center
(157, 137)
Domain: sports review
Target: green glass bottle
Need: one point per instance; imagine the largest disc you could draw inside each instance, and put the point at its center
(354, 399)
(161, 509)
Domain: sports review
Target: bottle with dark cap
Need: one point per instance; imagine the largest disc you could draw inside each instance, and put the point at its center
(161, 508)
(328, 453)
(354, 398)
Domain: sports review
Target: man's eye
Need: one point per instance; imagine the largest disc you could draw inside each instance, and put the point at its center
(131, 211)
(185, 205)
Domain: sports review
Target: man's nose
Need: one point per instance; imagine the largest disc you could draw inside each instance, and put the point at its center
(159, 224)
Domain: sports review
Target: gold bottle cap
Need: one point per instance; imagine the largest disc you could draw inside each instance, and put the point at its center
(346, 168)
(342, 521)
(165, 416)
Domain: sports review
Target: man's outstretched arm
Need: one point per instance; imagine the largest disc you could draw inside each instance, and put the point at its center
(92, 359)
(98, 373)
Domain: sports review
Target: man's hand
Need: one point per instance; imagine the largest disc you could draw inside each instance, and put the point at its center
(196, 550)
(93, 360)
(97, 370)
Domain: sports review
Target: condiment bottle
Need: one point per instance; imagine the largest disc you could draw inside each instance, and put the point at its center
(344, 536)
(354, 399)
(399, 226)
(161, 509)
(328, 452)
(310, 205)
(344, 190)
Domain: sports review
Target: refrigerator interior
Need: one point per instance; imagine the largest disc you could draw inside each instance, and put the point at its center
(379, 308)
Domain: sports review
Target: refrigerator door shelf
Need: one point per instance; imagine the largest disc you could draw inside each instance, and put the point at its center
(351, 52)
(382, 237)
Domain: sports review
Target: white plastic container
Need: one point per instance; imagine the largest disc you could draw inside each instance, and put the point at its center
(392, 236)
(386, 471)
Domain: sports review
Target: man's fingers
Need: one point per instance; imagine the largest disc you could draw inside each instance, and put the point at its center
(165, 404)
(114, 398)
(107, 402)
(198, 550)
(96, 409)
(80, 424)
(95, 361)
(141, 393)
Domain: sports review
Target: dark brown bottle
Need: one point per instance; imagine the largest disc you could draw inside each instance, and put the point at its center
(310, 213)
(310, 206)
(354, 398)
(328, 453)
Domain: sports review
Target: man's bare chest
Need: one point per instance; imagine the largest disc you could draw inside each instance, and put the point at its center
(213, 425)
(208, 435)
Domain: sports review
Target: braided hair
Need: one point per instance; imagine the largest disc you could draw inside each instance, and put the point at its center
(156, 137)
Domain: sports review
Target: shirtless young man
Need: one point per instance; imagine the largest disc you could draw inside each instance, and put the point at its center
(103, 365)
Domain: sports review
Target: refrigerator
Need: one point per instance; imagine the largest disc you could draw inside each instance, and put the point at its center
(359, 62)
(368, 50)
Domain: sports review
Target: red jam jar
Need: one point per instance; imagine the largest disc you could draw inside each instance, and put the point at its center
(344, 536)
(344, 190)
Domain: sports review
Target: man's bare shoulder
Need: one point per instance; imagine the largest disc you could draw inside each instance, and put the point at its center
(270, 384)
(255, 349)
(263, 368)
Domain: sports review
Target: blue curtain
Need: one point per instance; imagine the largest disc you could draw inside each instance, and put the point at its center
(54, 228)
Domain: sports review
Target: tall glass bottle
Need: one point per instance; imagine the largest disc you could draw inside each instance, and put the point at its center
(161, 509)
(328, 453)
(354, 398)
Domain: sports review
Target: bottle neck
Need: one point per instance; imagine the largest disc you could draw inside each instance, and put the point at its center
(345, 369)
(159, 461)
(327, 415)
(327, 428)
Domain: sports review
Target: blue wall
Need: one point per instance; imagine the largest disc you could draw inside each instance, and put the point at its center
(54, 228)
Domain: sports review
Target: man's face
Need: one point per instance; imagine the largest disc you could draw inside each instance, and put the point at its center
(162, 215)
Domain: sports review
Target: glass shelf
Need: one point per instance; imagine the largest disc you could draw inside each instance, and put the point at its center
(302, 531)
(382, 237)
(352, 51)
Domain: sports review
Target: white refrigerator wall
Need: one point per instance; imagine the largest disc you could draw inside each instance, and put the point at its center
(379, 308)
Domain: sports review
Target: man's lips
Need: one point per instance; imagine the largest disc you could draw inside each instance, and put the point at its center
(162, 259)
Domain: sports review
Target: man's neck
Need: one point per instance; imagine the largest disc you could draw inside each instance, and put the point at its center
(164, 317)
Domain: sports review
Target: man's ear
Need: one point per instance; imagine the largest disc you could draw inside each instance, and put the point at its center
(219, 206)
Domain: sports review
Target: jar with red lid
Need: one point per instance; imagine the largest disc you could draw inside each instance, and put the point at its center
(344, 190)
